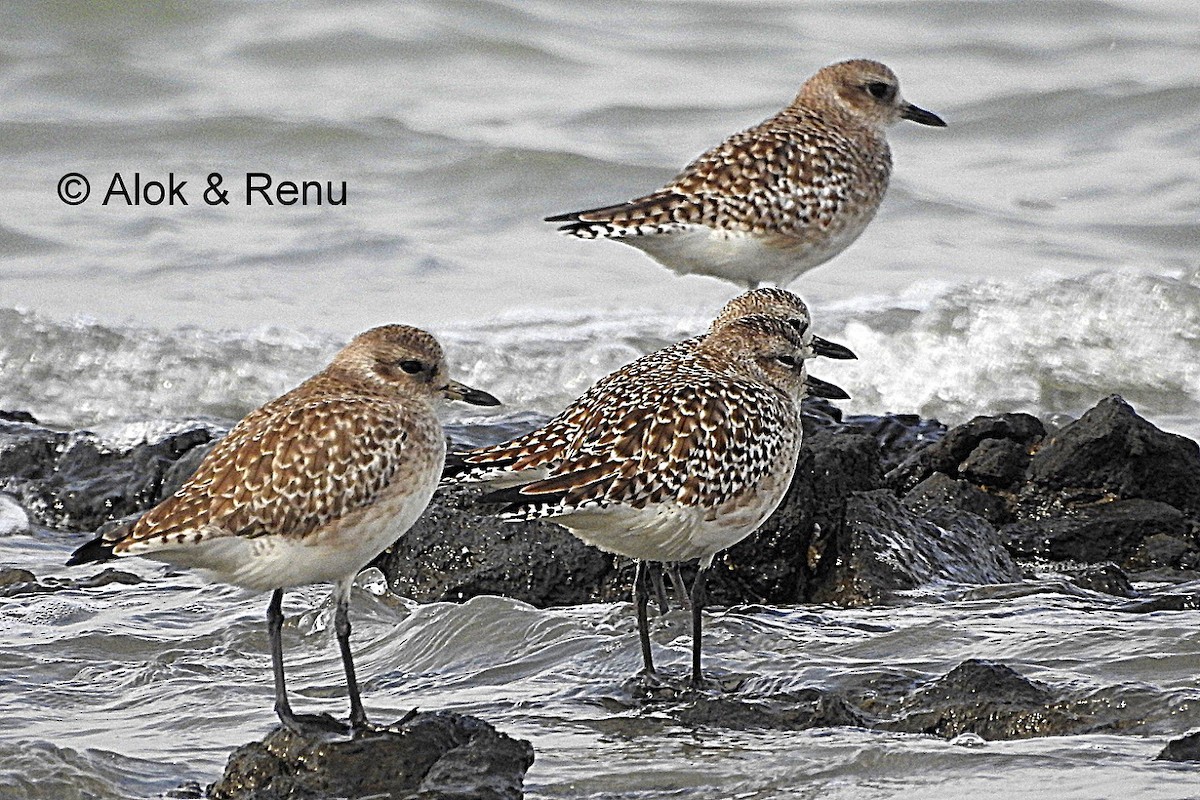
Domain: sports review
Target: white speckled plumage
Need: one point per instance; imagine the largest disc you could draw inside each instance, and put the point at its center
(531, 455)
(693, 460)
(778, 199)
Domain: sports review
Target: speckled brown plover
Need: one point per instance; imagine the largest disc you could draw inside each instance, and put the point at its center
(690, 461)
(533, 455)
(778, 199)
(310, 487)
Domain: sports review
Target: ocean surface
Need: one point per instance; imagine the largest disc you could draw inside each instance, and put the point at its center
(1040, 253)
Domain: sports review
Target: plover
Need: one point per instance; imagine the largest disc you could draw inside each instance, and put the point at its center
(778, 199)
(691, 461)
(310, 487)
(529, 456)
(532, 455)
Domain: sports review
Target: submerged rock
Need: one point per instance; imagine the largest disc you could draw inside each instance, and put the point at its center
(994, 701)
(434, 756)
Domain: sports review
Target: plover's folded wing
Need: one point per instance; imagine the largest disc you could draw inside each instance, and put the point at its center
(699, 446)
(285, 470)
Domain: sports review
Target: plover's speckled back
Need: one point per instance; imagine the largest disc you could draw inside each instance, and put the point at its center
(311, 486)
(528, 456)
(774, 201)
(532, 455)
(690, 461)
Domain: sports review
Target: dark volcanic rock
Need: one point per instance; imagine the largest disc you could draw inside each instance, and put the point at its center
(778, 563)
(435, 756)
(1104, 578)
(1185, 748)
(941, 491)
(1111, 450)
(884, 547)
(954, 450)
(791, 711)
(996, 702)
(455, 551)
(77, 481)
(1101, 532)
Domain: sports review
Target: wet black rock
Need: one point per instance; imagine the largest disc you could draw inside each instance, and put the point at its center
(77, 481)
(1104, 578)
(884, 547)
(435, 756)
(14, 581)
(455, 551)
(1185, 748)
(954, 453)
(1111, 451)
(995, 702)
(1115, 531)
(796, 710)
(939, 490)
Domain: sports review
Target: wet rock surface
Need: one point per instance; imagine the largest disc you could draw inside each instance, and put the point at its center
(878, 505)
(1185, 748)
(77, 481)
(434, 756)
(988, 699)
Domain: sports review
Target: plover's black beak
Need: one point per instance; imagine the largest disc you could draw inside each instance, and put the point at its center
(819, 388)
(920, 115)
(824, 347)
(460, 391)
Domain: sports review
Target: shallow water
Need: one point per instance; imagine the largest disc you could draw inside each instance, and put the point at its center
(1036, 255)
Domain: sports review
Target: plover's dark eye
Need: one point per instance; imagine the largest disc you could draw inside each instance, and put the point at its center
(880, 91)
(799, 323)
(411, 367)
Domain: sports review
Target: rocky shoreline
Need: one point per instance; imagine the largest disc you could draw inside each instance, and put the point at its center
(880, 506)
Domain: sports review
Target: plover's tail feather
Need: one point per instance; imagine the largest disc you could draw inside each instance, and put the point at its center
(655, 213)
(98, 549)
(548, 497)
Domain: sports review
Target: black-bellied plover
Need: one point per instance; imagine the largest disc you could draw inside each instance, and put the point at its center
(778, 199)
(528, 456)
(310, 487)
(690, 462)
(534, 454)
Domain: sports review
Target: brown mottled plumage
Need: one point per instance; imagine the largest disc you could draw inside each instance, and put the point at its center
(689, 460)
(530, 455)
(310, 486)
(778, 199)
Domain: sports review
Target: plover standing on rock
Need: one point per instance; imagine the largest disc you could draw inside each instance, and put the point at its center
(688, 464)
(310, 487)
(778, 199)
(535, 454)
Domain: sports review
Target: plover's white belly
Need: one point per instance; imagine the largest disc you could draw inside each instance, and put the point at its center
(743, 256)
(671, 531)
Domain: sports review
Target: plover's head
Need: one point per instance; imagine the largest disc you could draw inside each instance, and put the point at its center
(865, 90)
(766, 349)
(784, 305)
(406, 361)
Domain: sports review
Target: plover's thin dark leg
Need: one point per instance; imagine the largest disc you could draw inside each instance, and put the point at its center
(698, 594)
(681, 591)
(275, 636)
(304, 724)
(641, 599)
(660, 589)
(341, 627)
